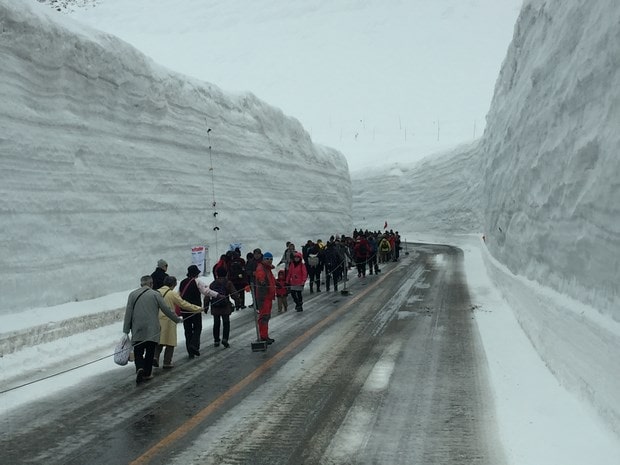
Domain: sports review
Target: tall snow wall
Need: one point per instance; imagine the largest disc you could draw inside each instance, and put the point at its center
(551, 151)
(550, 158)
(106, 165)
(422, 197)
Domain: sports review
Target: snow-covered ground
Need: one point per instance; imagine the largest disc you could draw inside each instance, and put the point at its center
(92, 133)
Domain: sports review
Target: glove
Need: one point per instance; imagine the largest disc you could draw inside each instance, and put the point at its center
(206, 309)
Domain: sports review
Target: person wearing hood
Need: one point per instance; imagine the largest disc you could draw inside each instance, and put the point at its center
(264, 292)
(296, 278)
(281, 292)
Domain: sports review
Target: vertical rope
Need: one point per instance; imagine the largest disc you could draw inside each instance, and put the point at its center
(213, 202)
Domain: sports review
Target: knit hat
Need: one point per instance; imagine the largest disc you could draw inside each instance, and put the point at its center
(258, 251)
(193, 271)
(161, 263)
(267, 255)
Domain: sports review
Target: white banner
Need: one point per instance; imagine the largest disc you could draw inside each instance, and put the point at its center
(200, 257)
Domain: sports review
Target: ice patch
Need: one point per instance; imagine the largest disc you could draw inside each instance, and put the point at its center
(379, 378)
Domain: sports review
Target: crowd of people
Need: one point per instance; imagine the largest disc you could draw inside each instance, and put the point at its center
(154, 309)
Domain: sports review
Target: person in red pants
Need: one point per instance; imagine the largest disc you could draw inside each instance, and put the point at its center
(265, 293)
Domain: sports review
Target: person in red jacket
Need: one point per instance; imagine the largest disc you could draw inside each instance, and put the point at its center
(264, 292)
(296, 278)
(281, 292)
(361, 252)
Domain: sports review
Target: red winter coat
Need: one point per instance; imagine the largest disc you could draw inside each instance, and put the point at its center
(281, 289)
(297, 274)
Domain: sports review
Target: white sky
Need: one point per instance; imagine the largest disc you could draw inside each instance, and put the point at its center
(367, 80)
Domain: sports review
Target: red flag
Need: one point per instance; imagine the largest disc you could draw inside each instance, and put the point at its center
(385, 225)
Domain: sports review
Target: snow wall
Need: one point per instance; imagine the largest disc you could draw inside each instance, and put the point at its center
(421, 197)
(542, 185)
(551, 151)
(106, 165)
(550, 157)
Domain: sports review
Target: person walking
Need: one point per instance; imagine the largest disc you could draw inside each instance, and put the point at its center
(221, 307)
(287, 256)
(238, 277)
(264, 292)
(361, 251)
(372, 258)
(142, 319)
(168, 335)
(192, 290)
(295, 279)
(281, 292)
(334, 264)
(159, 274)
(314, 266)
(384, 249)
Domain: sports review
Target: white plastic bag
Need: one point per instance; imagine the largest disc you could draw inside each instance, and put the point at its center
(122, 350)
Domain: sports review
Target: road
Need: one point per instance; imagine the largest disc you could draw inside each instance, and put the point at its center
(393, 373)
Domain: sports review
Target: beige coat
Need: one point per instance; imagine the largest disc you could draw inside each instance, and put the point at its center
(168, 335)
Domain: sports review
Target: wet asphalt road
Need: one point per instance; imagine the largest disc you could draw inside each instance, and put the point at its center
(393, 373)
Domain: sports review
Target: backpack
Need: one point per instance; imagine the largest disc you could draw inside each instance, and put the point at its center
(313, 260)
(237, 270)
(220, 288)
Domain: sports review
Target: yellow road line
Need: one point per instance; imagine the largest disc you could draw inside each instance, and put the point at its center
(194, 421)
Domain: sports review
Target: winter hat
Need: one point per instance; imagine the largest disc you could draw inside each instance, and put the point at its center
(193, 271)
(267, 255)
(258, 251)
(161, 263)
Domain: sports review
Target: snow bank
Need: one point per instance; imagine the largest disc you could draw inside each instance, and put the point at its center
(576, 342)
(106, 165)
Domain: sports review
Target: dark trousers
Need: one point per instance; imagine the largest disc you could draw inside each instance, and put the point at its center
(337, 277)
(361, 266)
(240, 289)
(297, 298)
(314, 276)
(372, 264)
(192, 324)
(168, 353)
(216, 327)
(143, 353)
